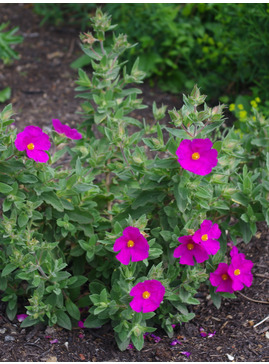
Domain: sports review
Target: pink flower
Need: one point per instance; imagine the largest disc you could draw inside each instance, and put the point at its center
(189, 250)
(207, 235)
(197, 156)
(240, 270)
(132, 245)
(66, 130)
(21, 317)
(34, 141)
(148, 296)
(222, 279)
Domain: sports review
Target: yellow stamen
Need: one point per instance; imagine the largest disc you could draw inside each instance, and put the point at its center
(146, 295)
(190, 246)
(204, 237)
(224, 277)
(130, 244)
(30, 146)
(237, 272)
(195, 156)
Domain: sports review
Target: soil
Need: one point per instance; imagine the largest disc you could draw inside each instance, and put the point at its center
(43, 85)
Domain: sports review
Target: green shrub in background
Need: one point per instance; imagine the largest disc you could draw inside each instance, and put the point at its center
(223, 47)
(60, 219)
(62, 14)
(7, 53)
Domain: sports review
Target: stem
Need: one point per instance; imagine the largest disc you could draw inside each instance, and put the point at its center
(102, 47)
(187, 131)
(97, 55)
(199, 131)
(109, 204)
(126, 161)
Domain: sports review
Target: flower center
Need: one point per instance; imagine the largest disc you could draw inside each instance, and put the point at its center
(130, 244)
(146, 295)
(190, 246)
(30, 146)
(195, 156)
(204, 237)
(224, 276)
(237, 272)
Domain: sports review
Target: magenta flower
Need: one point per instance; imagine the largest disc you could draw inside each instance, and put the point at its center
(148, 296)
(222, 279)
(207, 235)
(21, 317)
(189, 250)
(240, 270)
(197, 156)
(34, 141)
(66, 130)
(132, 245)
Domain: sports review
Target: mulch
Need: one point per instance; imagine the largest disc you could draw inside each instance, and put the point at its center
(43, 85)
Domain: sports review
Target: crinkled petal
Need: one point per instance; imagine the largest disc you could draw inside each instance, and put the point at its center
(150, 305)
(138, 254)
(124, 256)
(200, 254)
(120, 243)
(58, 126)
(137, 304)
(211, 246)
(225, 286)
(215, 231)
(37, 155)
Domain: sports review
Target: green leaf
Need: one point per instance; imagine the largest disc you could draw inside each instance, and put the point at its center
(29, 321)
(138, 341)
(27, 178)
(4, 188)
(11, 312)
(93, 322)
(52, 199)
(8, 269)
(240, 198)
(5, 94)
(216, 297)
(83, 217)
(23, 219)
(72, 309)
(63, 320)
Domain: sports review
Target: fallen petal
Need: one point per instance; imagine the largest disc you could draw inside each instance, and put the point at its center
(53, 341)
(211, 334)
(186, 353)
(21, 317)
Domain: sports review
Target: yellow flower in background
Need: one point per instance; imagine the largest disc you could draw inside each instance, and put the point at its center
(254, 118)
(232, 107)
(240, 107)
(257, 99)
(254, 104)
(242, 114)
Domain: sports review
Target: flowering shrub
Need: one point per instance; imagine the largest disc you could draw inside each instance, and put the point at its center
(96, 222)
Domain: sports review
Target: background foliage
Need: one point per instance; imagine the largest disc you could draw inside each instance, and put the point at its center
(223, 47)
